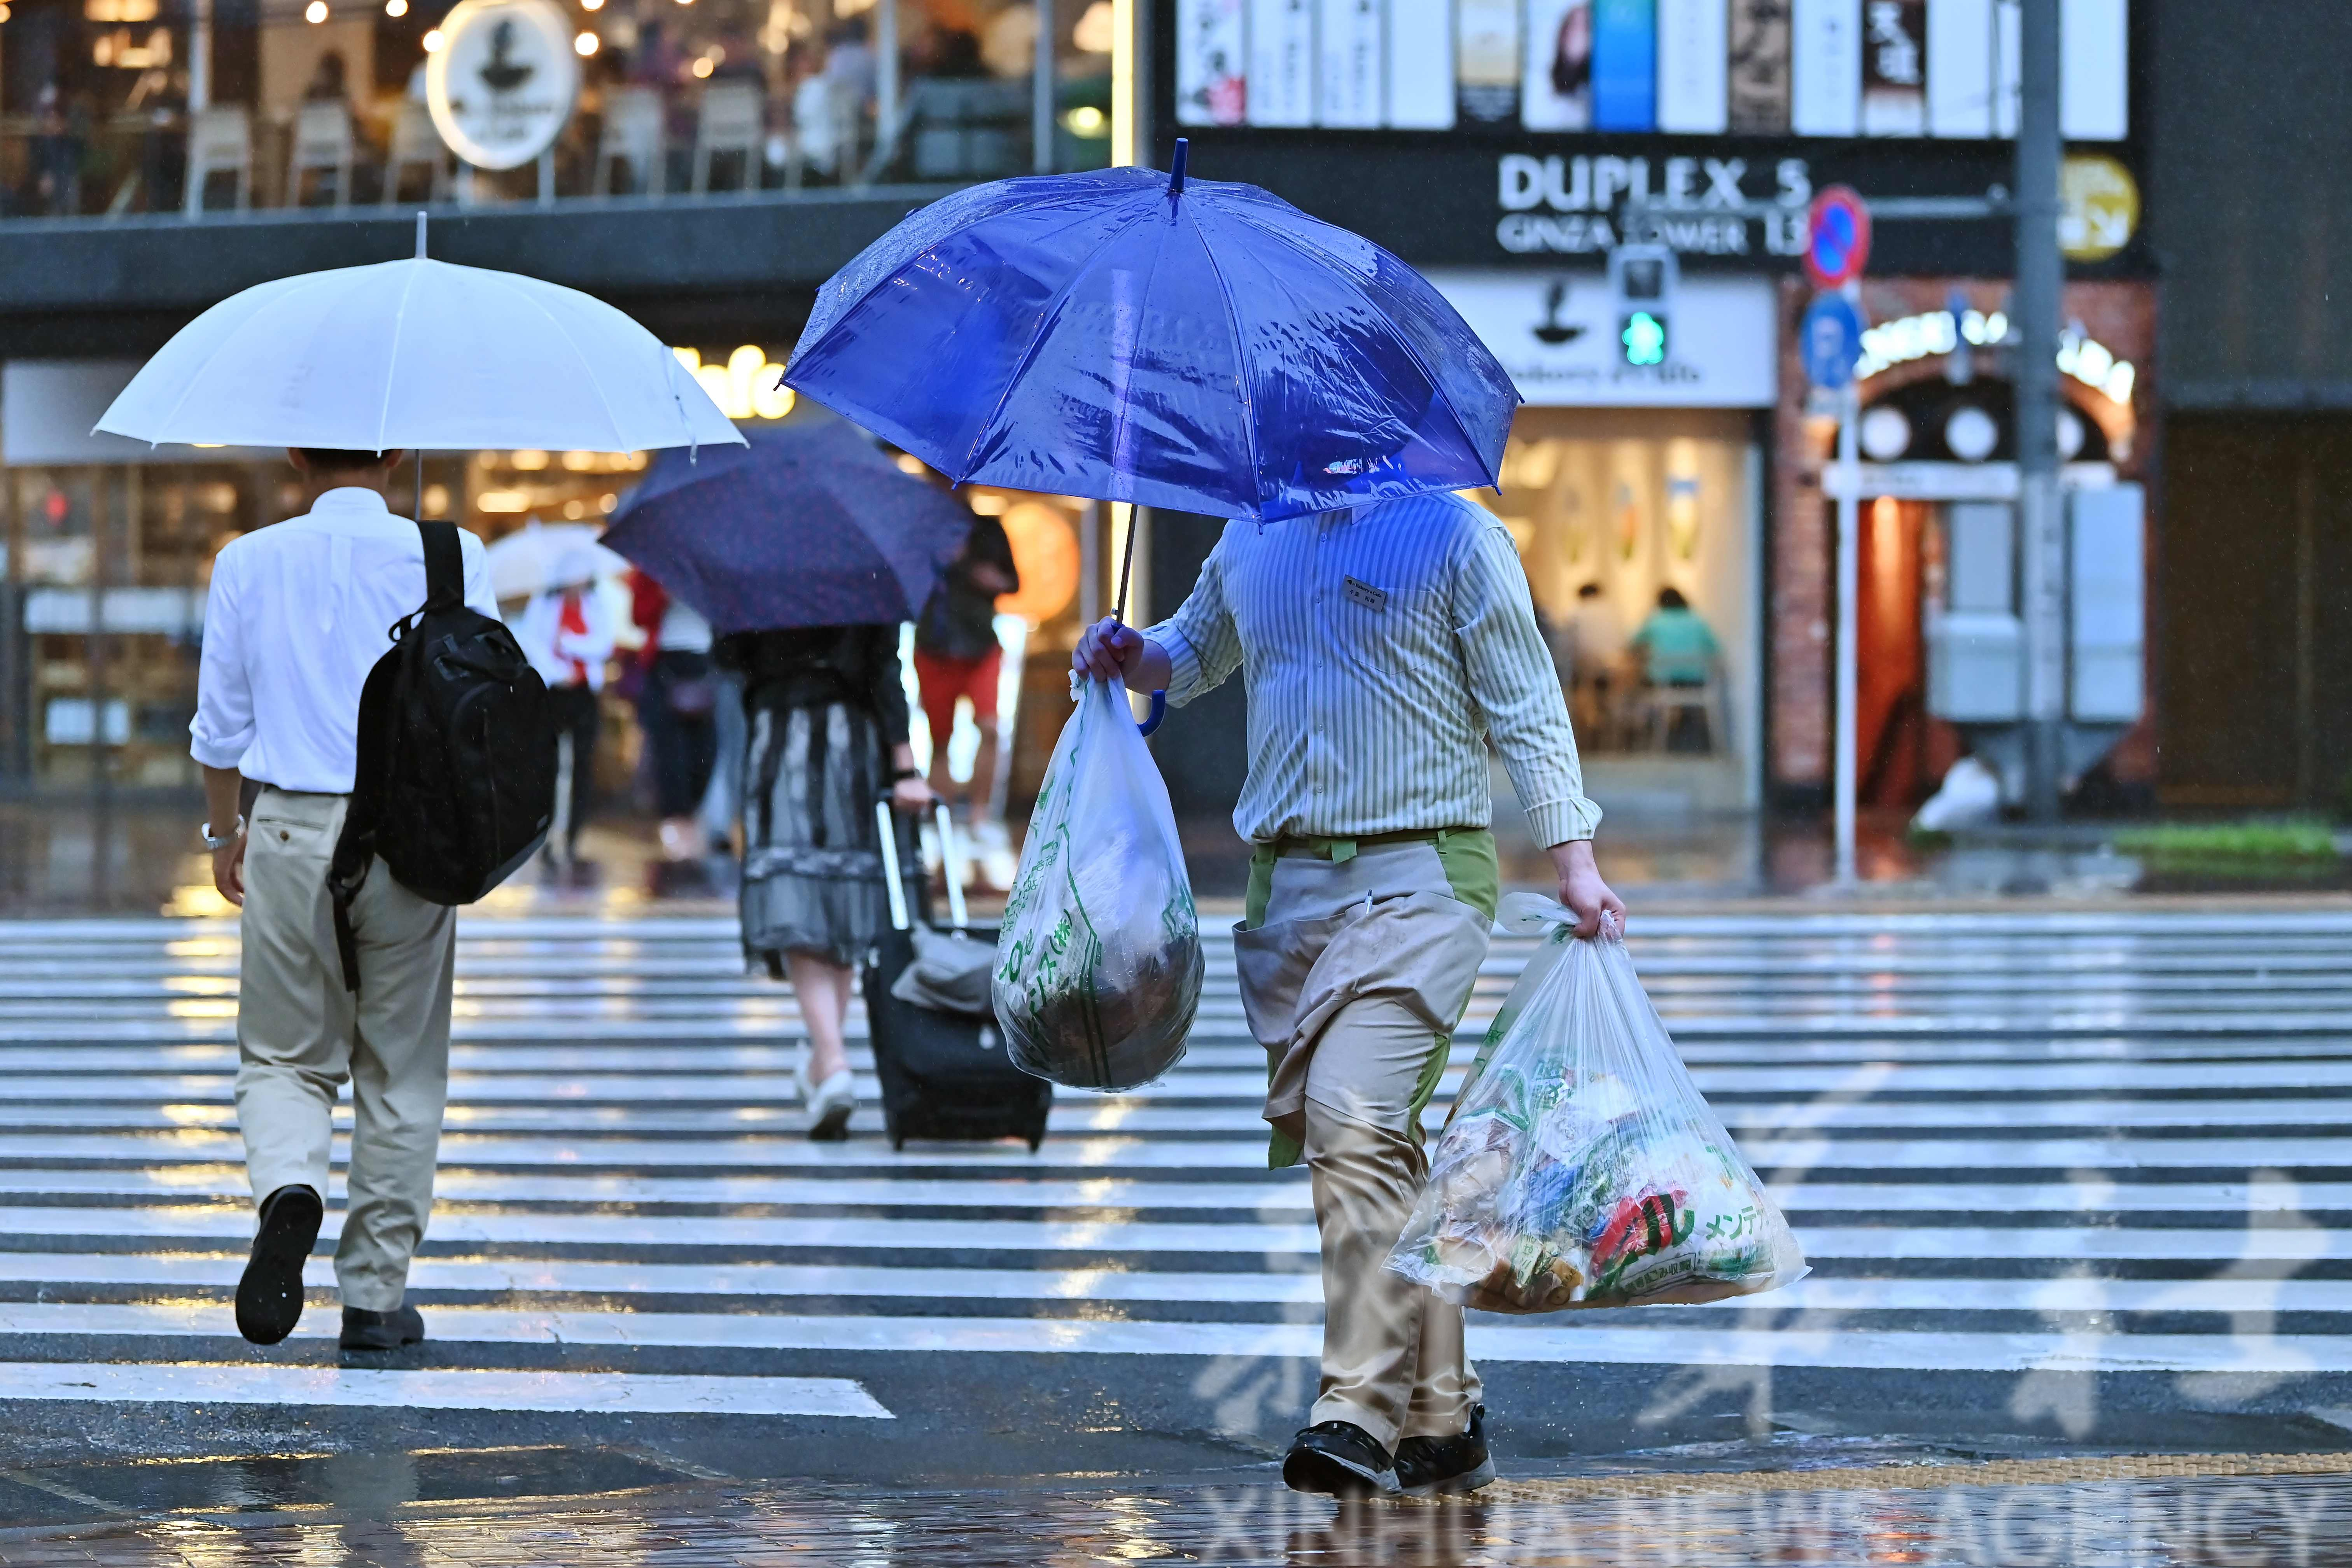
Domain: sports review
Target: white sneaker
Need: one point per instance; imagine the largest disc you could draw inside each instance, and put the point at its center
(830, 1105)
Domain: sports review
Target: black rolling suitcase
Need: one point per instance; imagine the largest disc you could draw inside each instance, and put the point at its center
(944, 1074)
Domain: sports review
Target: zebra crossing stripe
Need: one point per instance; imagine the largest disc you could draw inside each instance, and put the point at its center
(627, 1394)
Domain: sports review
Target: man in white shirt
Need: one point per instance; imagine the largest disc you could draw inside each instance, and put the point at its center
(299, 615)
(568, 632)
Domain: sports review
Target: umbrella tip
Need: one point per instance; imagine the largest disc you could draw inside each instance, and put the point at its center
(1176, 167)
(420, 237)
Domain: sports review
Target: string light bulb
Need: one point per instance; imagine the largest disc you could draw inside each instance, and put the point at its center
(315, 12)
(585, 45)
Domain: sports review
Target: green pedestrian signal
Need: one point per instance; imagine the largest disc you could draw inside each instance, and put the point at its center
(1643, 279)
(1644, 338)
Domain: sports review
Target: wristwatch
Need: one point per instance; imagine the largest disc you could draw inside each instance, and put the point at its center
(217, 844)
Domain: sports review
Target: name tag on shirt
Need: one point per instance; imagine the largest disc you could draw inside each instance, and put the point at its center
(1366, 596)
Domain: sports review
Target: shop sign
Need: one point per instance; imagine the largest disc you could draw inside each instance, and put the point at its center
(1585, 204)
(502, 83)
(2098, 208)
(1556, 333)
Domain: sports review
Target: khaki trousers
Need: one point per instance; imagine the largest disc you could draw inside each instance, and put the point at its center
(1352, 984)
(299, 1036)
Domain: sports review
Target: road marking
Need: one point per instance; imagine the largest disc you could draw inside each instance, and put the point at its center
(584, 1393)
(603, 1392)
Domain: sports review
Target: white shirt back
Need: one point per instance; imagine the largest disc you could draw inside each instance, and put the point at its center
(298, 615)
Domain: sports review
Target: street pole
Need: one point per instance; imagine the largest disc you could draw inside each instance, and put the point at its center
(1849, 617)
(1042, 86)
(2034, 308)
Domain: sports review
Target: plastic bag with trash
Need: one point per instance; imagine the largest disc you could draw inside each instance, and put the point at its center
(1580, 1166)
(1099, 961)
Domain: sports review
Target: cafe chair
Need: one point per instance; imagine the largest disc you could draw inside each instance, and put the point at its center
(631, 136)
(416, 140)
(322, 145)
(732, 119)
(220, 141)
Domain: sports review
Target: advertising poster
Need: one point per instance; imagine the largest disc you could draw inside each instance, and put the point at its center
(1894, 68)
(1282, 62)
(1759, 74)
(1348, 88)
(1624, 65)
(1825, 67)
(1557, 93)
(1486, 60)
(1211, 68)
(1960, 67)
(1420, 66)
(1693, 53)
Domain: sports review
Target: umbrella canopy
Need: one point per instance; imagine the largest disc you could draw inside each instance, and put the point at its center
(544, 555)
(417, 355)
(808, 526)
(1127, 335)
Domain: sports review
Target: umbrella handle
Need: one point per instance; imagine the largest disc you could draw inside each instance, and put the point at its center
(1158, 712)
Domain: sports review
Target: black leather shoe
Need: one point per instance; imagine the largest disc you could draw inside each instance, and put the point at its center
(269, 1295)
(366, 1330)
(1426, 1467)
(1339, 1460)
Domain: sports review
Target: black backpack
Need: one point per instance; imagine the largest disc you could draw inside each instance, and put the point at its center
(455, 785)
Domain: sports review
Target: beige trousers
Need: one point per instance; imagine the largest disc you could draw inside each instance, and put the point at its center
(1360, 971)
(299, 1036)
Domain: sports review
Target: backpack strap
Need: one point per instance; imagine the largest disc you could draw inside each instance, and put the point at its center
(444, 565)
(347, 872)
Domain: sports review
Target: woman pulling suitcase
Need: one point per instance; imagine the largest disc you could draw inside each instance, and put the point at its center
(826, 712)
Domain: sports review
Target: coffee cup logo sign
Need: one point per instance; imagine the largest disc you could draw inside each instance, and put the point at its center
(502, 83)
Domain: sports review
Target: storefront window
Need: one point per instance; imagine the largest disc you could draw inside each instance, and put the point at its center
(122, 106)
(1637, 529)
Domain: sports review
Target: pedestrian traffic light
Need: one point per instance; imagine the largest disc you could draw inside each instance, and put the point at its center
(1643, 277)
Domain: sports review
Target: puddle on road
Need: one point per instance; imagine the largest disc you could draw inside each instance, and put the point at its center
(2239, 1511)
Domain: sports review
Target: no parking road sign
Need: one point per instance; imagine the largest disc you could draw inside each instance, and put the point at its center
(1831, 341)
(1837, 237)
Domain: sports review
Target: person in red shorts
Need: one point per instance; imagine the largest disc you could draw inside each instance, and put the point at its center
(957, 655)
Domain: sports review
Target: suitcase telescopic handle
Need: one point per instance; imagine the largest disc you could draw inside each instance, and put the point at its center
(888, 832)
(951, 865)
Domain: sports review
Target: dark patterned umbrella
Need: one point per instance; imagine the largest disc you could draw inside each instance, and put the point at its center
(807, 526)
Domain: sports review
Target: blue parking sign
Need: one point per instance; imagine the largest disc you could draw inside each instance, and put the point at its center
(1831, 341)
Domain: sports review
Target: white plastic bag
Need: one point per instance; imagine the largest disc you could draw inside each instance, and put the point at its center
(1581, 1167)
(1098, 962)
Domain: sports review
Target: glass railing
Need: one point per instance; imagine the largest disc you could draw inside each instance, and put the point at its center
(339, 106)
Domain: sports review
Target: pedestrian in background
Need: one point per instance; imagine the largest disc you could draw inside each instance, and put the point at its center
(676, 698)
(297, 617)
(567, 633)
(826, 709)
(1596, 634)
(957, 656)
(1380, 647)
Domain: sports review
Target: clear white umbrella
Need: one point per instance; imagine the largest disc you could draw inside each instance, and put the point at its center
(539, 556)
(418, 355)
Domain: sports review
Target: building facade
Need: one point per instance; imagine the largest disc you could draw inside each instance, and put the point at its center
(703, 164)
(1522, 145)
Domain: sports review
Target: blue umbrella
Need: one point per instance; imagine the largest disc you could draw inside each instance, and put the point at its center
(807, 526)
(1130, 336)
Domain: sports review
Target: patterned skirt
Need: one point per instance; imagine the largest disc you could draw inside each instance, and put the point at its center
(811, 863)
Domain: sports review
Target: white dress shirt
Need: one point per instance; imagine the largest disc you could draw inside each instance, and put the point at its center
(298, 614)
(1381, 646)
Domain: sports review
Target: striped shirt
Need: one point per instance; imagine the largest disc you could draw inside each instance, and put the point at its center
(1378, 646)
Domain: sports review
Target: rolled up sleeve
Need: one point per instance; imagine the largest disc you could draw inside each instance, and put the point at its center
(1203, 646)
(1513, 680)
(221, 730)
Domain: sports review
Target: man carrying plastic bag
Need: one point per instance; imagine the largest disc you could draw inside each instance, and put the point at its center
(1381, 647)
(1580, 1166)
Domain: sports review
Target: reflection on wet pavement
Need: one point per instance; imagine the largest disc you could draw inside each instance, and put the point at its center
(2238, 1510)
